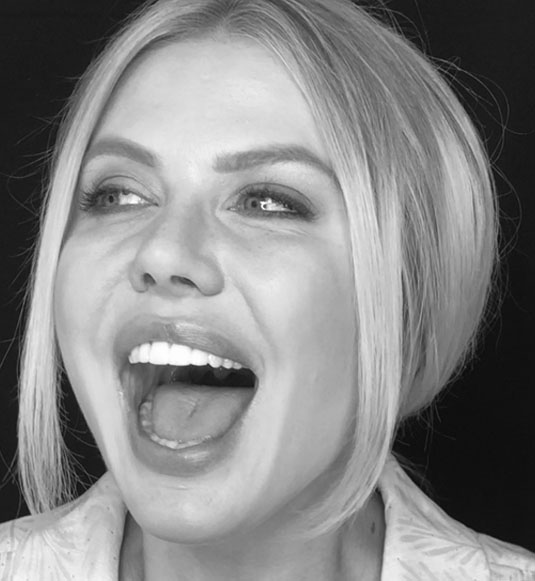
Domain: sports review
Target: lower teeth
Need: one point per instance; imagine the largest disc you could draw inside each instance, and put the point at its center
(145, 414)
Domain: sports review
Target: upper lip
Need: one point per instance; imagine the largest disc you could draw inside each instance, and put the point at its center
(144, 329)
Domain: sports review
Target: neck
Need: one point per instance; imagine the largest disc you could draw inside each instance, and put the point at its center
(354, 551)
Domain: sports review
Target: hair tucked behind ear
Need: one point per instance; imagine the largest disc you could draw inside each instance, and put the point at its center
(420, 203)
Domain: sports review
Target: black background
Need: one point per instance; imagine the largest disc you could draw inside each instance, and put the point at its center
(479, 460)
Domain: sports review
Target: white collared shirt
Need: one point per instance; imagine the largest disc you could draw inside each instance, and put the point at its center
(82, 540)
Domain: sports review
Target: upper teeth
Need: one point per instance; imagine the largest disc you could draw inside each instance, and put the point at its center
(163, 353)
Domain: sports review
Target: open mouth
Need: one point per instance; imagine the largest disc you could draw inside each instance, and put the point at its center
(186, 396)
(205, 375)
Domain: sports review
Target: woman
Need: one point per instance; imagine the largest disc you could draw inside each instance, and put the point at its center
(268, 238)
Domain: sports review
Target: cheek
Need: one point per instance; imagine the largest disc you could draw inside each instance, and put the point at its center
(72, 316)
(71, 308)
(80, 308)
(303, 295)
(83, 292)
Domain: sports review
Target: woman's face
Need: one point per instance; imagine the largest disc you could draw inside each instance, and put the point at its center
(207, 218)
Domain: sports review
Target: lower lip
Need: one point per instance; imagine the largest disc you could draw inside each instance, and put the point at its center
(192, 461)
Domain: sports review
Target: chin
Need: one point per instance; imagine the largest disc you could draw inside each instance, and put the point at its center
(186, 516)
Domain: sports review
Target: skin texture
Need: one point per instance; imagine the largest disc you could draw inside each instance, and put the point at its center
(186, 246)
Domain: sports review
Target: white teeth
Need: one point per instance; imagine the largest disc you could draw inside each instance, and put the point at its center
(215, 361)
(176, 444)
(179, 355)
(163, 353)
(144, 353)
(159, 353)
(134, 355)
(145, 415)
(199, 357)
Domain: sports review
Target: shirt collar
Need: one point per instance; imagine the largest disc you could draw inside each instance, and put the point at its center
(421, 541)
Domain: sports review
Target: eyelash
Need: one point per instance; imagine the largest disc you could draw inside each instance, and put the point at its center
(89, 201)
(295, 208)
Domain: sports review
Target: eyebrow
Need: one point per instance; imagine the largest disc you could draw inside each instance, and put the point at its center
(272, 155)
(122, 148)
(224, 163)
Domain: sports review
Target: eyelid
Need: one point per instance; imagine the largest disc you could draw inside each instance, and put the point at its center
(99, 171)
(286, 194)
(125, 189)
(89, 194)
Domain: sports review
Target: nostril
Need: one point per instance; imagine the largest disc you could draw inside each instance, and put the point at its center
(148, 280)
(182, 280)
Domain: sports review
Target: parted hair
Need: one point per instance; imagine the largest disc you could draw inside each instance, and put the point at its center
(420, 203)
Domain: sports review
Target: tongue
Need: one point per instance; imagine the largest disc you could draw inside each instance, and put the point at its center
(183, 412)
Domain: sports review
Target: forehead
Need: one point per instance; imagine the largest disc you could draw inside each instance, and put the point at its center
(206, 92)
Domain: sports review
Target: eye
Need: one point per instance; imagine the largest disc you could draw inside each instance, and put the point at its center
(108, 197)
(266, 200)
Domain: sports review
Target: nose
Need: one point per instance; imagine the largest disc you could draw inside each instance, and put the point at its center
(175, 257)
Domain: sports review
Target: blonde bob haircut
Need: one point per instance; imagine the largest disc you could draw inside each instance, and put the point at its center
(420, 204)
